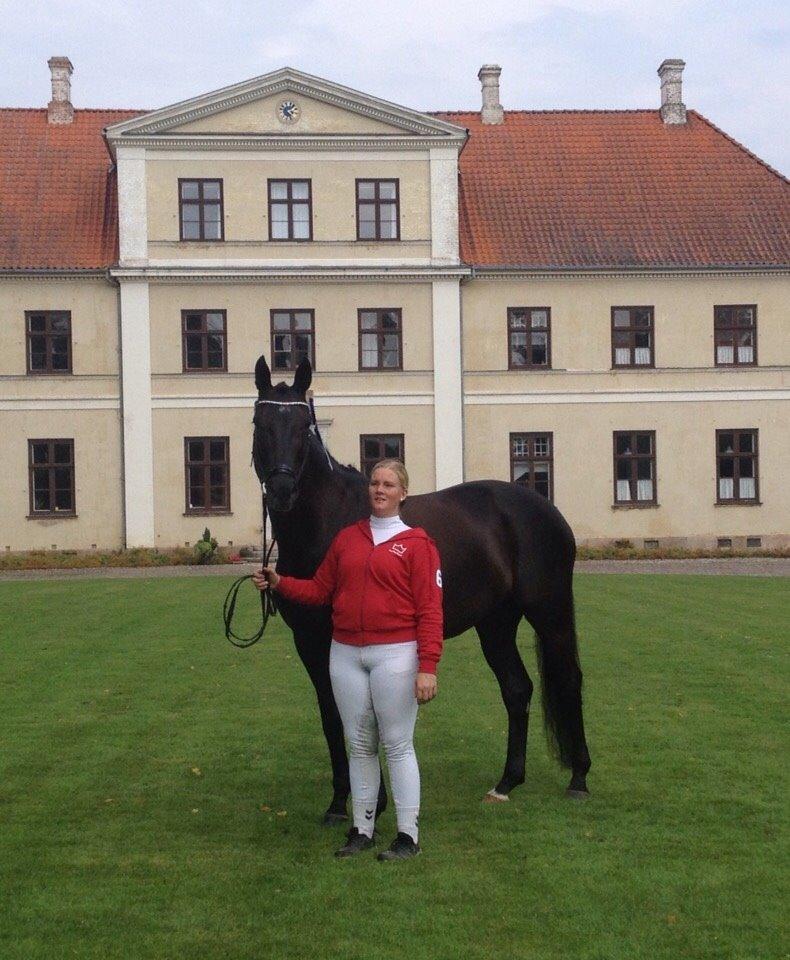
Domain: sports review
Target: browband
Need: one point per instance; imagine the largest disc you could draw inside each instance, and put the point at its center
(285, 403)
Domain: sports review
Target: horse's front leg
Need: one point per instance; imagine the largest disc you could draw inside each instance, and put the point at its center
(312, 645)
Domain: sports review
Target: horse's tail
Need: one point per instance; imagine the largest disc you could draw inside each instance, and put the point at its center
(561, 683)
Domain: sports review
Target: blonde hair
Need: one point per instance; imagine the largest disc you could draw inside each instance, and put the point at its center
(397, 468)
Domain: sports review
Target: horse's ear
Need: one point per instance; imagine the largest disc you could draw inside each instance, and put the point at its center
(263, 376)
(303, 377)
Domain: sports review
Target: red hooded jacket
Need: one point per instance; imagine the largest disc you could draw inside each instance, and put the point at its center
(390, 593)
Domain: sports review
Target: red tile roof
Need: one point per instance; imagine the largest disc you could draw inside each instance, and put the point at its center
(544, 189)
(58, 203)
(615, 188)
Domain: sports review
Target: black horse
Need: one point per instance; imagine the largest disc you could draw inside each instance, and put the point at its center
(506, 553)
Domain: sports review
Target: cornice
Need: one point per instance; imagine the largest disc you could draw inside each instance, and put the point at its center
(270, 141)
(286, 275)
(51, 273)
(575, 273)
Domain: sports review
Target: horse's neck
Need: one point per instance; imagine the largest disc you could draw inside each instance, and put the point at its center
(329, 499)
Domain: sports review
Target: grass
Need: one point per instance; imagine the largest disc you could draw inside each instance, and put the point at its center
(160, 790)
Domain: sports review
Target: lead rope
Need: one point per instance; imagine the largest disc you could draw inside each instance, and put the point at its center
(268, 606)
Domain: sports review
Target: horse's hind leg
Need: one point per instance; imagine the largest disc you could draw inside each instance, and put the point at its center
(498, 639)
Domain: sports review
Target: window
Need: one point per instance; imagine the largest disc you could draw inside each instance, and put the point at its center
(635, 467)
(203, 336)
(736, 466)
(51, 477)
(380, 339)
(529, 341)
(735, 332)
(48, 335)
(290, 210)
(200, 209)
(293, 338)
(384, 446)
(632, 337)
(207, 469)
(532, 461)
(378, 210)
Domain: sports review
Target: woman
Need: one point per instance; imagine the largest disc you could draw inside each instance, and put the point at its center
(384, 583)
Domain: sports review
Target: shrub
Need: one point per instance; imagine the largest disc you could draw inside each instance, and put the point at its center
(205, 547)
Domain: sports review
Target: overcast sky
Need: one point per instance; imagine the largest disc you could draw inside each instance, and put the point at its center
(577, 54)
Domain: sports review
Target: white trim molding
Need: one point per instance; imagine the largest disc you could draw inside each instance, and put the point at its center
(237, 402)
(484, 398)
(138, 447)
(448, 410)
(70, 403)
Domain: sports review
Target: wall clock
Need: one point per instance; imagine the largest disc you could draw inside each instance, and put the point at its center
(288, 111)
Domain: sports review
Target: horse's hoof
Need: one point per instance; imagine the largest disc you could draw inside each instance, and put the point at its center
(494, 797)
(577, 794)
(334, 819)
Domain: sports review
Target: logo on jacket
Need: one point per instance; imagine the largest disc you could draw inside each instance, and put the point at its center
(398, 549)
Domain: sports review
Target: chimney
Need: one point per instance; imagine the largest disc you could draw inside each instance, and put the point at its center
(59, 108)
(673, 110)
(492, 111)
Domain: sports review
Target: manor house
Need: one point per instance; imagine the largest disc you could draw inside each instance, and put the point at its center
(591, 303)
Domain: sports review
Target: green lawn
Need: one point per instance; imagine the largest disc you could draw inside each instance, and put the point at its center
(160, 790)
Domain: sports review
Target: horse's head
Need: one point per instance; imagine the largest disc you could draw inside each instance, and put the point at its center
(281, 434)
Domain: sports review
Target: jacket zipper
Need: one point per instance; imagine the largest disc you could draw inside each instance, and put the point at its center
(364, 588)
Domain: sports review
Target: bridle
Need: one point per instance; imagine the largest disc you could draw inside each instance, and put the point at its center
(268, 606)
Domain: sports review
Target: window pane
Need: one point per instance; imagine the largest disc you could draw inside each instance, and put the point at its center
(217, 496)
(190, 213)
(281, 321)
(747, 489)
(722, 317)
(540, 318)
(641, 318)
(371, 448)
(623, 470)
(644, 443)
(746, 466)
(63, 500)
(541, 474)
(279, 230)
(365, 190)
(211, 213)
(726, 443)
(746, 442)
(542, 447)
(62, 452)
(642, 355)
(217, 476)
(41, 499)
(214, 321)
(624, 443)
(191, 231)
(37, 323)
(622, 318)
(370, 353)
(725, 354)
(387, 190)
(189, 190)
(212, 231)
(367, 320)
(62, 477)
(278, 191)
(622, 356)
(301, 230)
(195, 450)
(303, 320)
(217, 449)
(194, 359)
(41, 479)
(367, 230)
(59, 324)
(389, 320)
(279, 213)
(301, 347)
(521, 472)
(726, 489)
(644, 469)
(392, 448)
(623, 490)
(299, 190)
(518, 319)
(518, 349)
(197, 497)
(211, 190)
(744, 316)
(388, 213)
(40, 452)
(193, 321)
(519, 446)
(644, 489)
(727, 467)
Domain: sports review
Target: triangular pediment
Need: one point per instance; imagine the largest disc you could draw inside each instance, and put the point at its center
(284, 103)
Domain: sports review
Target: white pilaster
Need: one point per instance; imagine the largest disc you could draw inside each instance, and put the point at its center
(447, 383)
(444, 205)
(132, 206)
(138, 447)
